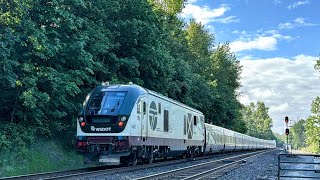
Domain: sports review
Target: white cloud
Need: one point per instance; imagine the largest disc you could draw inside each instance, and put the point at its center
(298, 22)
(280, 108)
(297, 4)
(286, 85)
(244, 99)
(205, 15)
(260, 43)
(257, 92)
(226, 20)
(276, 2)
(283, 37)
(261, 40)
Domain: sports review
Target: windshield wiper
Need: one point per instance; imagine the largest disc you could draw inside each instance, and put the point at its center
(115, 106)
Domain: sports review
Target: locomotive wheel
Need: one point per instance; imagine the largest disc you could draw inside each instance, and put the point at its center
(126, 162)
(184, 156)
(149, 160)
(134, 162)
(134, 159)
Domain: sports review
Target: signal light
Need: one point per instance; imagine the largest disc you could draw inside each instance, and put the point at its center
(83, 124)
(120, 124)
(80, 143)
(287, 131)
(80, 119)
(123, 118)
(286, 119)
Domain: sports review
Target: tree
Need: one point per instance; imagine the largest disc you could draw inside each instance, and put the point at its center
(169, 7)
(248, 116)
(200, 43)
(55, 52)
(313, 127)
(224, 78)
(297, 132)
(317, 66)
(258, 120)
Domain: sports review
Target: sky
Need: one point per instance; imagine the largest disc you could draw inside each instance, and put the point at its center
(277, 43)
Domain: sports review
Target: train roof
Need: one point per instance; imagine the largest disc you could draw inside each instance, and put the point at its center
(138, 90)
(172, 101)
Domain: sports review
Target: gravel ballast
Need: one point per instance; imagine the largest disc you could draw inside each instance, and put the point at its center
(247, 171)
(259, 167)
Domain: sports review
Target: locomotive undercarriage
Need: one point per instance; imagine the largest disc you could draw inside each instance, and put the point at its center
(115, 150)
(147, 154)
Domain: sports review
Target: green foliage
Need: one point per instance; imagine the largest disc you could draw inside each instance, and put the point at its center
(313, 127)
(15, 136)
(169, 7)
(54, 52)
(215, 80)
(258, 120)
(200, 43)
(312, 124)
(280, 139)
(317, 66)
(298, 134)
(60, 50)
(42, 156)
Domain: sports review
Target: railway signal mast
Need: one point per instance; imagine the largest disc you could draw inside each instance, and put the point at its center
(286, 120)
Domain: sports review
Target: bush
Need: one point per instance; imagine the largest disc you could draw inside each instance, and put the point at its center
(41, 156)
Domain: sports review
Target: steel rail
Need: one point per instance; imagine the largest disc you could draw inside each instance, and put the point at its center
(106, 170)
(220, 168)
(53, 174)
(196, 168)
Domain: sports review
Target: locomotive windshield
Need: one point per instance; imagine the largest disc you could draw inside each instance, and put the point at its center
(105, 103)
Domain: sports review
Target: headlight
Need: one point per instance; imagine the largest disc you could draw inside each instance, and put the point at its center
(123, 118)
(80, 119)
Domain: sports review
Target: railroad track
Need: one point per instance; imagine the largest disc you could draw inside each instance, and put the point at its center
(57, 174)
(205, 170)
(107, 170)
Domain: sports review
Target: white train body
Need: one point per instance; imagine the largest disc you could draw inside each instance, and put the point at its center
(130, 123)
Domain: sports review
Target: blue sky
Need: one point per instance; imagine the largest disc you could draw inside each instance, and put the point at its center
(277, 43)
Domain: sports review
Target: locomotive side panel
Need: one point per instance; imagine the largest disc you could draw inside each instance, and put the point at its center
(168, 124)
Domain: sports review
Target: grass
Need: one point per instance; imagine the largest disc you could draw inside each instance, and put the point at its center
(42, 156)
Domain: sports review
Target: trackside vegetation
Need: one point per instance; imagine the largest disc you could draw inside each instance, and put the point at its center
(305, 133)
(52, 53)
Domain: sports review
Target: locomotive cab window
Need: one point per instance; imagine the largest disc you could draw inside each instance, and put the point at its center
(195, 120)
(106, 103)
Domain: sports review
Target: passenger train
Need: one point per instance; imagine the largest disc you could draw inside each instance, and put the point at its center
(128, 123)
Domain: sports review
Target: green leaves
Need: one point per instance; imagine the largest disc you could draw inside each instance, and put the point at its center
(298, 133)
(258, 121)
(315, 107)
(313, 127)
(317, 66)
(53, 53)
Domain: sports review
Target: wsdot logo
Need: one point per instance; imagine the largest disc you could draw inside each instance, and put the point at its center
(100, 128)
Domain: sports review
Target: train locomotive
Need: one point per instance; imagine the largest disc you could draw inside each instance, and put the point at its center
(128, 123)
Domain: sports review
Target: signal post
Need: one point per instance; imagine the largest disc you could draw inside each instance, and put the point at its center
(286, 120)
